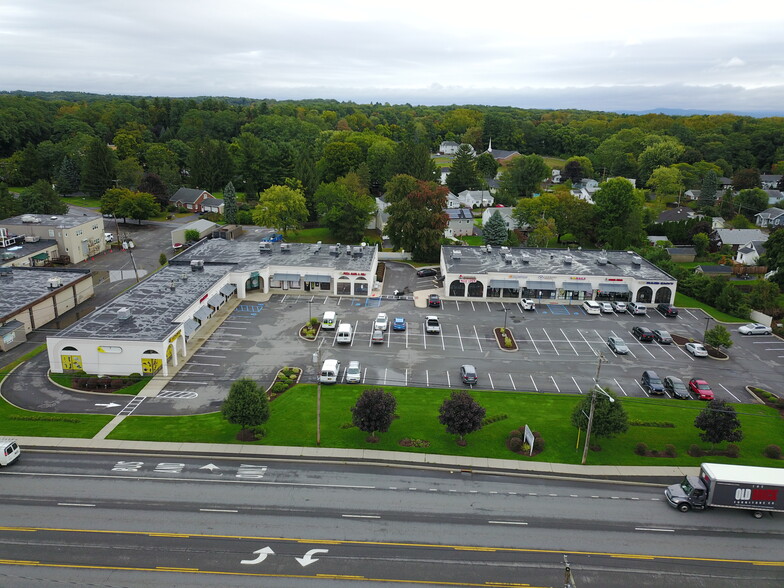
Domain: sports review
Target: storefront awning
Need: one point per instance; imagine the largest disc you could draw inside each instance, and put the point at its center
(228, 289)
(533, 285)
(190, 327)
(618, 288)
(285, 277)
(317, 278)
(508, 284)
(202, 314)
(41, 256)
(578, 286)
(215, 301)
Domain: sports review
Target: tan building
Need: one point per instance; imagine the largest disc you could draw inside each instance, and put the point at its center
(78, 236)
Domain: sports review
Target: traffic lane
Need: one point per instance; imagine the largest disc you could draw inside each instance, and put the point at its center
(376, 561)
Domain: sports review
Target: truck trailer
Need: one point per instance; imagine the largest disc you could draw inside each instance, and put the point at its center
(751, 488)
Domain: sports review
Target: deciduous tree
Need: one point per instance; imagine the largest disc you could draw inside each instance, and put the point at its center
(416, 216)
(98, 172)
(618, 209)
(523, 176)
(9, 205)
(667, 182)
(718, 337)
(746, 178)
(751, 201)
(137, 205)
(719, 422)
(282, 208)
(374, 411)
(246, 405)
(701, 243)
(486, 165)
(461, 414)
(764, 296)
(609, 418)
(345, 211)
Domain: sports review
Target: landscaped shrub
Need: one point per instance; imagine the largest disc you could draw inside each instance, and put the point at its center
(695, 450)
(660, 424)
(773, 452)
(515, 433)
(134, 377)
(117, 383)
(279, 388)
(507, 342)
(669, 450)
(733, 450)
(641, 449)
(515, 444)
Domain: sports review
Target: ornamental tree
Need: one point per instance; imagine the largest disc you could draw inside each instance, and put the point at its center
(461, 414)
(246, 405)
(374, 411)
(719, 422)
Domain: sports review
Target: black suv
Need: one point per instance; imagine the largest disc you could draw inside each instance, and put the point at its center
(642, 333)
(667, 309)
(651, 382)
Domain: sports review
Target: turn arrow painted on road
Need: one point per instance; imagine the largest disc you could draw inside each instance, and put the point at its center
(108, 405)
(308, 558)
(262, 555)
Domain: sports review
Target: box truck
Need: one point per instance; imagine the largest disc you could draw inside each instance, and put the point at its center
(719, 485)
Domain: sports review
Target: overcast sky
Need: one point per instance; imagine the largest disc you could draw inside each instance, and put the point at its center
(600, 54)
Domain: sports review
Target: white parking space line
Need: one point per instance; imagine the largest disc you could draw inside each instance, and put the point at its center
(213, 356)
(233, 320)
(513, 384)
(284, 298)
(489, 377)
(478, 342)
(534, 383)
(457, 304)
(643, 389)
(730, 393)
(443, 345)
(385, 376)
(554, 383)
(686, 353)
(488, 306)
(569, 342)
(531, 339)
(646, 348)
(448, 381)
(620, 387)
(519, 306)
(662, 347)
(587, 342)
(427, 378)
(472, 306)
(196, 373)
(551, 342)
(699, 318)
(576, 384)
(209, 364)
(459, 338)
(406, 376)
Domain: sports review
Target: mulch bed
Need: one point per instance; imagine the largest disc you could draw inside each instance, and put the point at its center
(712, 351)
(501, 339)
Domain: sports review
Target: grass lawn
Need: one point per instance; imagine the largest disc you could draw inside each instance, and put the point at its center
(554, 162)
(85, 201)
(689, 302)
(322, 234)
(293, 423)
(474, 240)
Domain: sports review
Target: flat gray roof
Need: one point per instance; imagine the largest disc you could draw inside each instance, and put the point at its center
(66, 221)
(244, 255)
(23, 248)
(25, 285)
(153, 304)
(476, 260)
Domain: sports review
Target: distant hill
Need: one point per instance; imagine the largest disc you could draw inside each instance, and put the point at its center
(693, 112)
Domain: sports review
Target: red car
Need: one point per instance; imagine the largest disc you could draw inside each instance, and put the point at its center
(701, 389)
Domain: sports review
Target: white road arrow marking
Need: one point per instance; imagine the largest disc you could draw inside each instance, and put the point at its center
(108, 405)
(210, 466)
(262, 555)
(308, 558)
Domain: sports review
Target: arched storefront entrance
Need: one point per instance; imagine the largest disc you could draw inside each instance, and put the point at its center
(254, 282)
(457, 288)
(361, 287)
(644, 294)
(476, 290)
(663, 294)
(343, 286)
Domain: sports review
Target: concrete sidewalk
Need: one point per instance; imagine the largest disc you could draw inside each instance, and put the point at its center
(363, 457)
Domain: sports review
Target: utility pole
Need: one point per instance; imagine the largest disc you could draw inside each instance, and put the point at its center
(568, 578)
(594, 390)
(317, 362)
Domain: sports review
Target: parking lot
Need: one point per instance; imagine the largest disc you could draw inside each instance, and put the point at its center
(559, 349)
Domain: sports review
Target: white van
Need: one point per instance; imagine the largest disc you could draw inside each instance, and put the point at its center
(330, 370)
(591, 307)
(344, 333)
(329, 321)
(9, 451)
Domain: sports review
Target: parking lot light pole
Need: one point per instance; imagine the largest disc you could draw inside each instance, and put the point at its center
(317, 362)
(310, 311)
(705, 333)
(506, 313)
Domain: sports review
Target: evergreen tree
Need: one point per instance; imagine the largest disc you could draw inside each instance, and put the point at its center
(461, 414)
(230, 204)
(727, 205)
(98, 170)
(463, 175)
(710, 186)
(9, 205)
(41, 198)
(719, 422)
(67, 178)
(494, 232)
(374, 411)
(246, 405)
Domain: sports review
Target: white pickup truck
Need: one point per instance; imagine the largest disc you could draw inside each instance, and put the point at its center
(432, 325)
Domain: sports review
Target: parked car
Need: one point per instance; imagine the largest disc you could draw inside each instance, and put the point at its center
(667, 309)
(427, 271)
(382, 322)
(399, 324)
(378, 336)
(528, 304)
(591, 307)
(432, 325)
(468, 374)
(642, 333)
(617, 345)
(696, 349)
(618, 306)
(676, 388)
(651, 382)
(701, 389)
(434, 301)
(754, 329)
(353, 373)
(606, 307)
(637, 308)
(662, 336)
(273, 238)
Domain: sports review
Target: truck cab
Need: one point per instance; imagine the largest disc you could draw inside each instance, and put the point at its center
(690, 493)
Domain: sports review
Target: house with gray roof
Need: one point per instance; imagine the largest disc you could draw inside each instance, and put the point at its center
(676, 214)
(461, 222)
(774, 196)
(736, 237)
(772, 217)
(448, 147)
(190, 198)
(500, 154)
(506, 214)
(770, 181)
(214, 205)
(476, 198)
(750, 253)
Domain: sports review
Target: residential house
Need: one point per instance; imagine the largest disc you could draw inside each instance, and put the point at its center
(772, 217)
(461, 222)
(713, 270)
(774, 196)
(692, 194)
(476, 198)
(379, 220)
(190, 198)
(452, 201)
(212, 205)
(750, 253)
(725, 183)
(582, 194)
(492, 184)
(444, 173)
(736, 237)
(676, 214)
(555, 177)
(770, 181)
(448, 147)
(682, 254)
(506, 214)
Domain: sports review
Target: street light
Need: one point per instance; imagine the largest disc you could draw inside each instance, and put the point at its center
(594, 390)
(310, 311)
(506, 312)
(705, 333)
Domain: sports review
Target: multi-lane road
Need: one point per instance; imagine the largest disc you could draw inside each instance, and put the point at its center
(137, 520)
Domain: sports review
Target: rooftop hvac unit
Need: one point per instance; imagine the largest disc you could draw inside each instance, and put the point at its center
(317, 248)
(55, 282)
(197, 265)
(357, 251)
(508, 258)
(567, 259)
(636, 260)
(363, 244)
(29, 218)
(172, 284)
(488, 249)
(285, 247)
(601, 260)
(265, 247)
(5, 272)
(32, 238)
(334, 250)
(526, 258)
(457, 255)
(124, 313)
(504, 250)
(348, 249)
